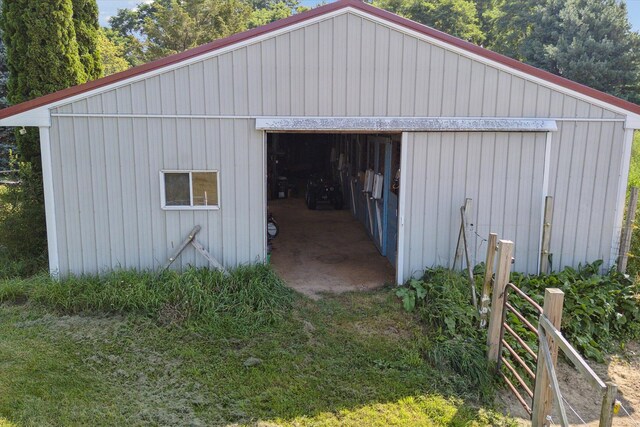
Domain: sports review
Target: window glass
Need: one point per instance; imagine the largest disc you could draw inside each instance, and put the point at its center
(205, 188)
(176, 189)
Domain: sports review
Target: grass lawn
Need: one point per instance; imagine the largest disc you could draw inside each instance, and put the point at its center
(354, 359)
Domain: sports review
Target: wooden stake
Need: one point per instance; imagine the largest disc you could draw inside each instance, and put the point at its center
(505, 252)
(546, 235)
(488, 276)
(463, 227)
(542, 394)
(472, 279)
(627, 232)
(608, 402)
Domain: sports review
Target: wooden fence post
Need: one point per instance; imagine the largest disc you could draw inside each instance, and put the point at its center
(542, 394)
(627, 231)
(546, 235)
(488, 276)
(505, 252)
(608, 402)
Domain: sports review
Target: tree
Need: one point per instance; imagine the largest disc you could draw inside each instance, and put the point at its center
(7, 138)
(589, 41)
(42, 57)
(456, 17)
(112, 54)
(166, 27)
(506, 24)
(85, 21)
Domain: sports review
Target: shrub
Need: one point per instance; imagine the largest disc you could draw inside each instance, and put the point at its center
(601, 312)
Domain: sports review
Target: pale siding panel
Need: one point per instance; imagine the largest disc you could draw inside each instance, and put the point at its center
(242, 195)
(381, 71)
(450, 84)
(339, 71)
(198, 161)
(490, 93)
(530, 99)
(85, 194)
(153, 97)
(141, 189)
(196, 88)
(516, 97)
(158, 220)
(394, 80)
(114, 193)
(139, 98)
(436, 76)
(183, 94)
(504, 94)
(168, 93)
(213, 227)
(423, 77)
(476, 91)
(439, 215)
(228, 191)
(128, 189)
(367, 66)
(227, 80)
(269, 85)
(325, 76)
(311, 70)
(408, 80)
(283, 75)
(99, 190)
(211, 86)
(354, 74)
(542, 102)
(297, 76)
(70, 196)
(463, 98)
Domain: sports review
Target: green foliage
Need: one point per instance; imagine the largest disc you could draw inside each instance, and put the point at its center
(85, 21)
(456, 17)
(248, 297)
(112, 54)
(171, 26)
(601, 312)
(442, 300)
(588, 41)
(22, 224)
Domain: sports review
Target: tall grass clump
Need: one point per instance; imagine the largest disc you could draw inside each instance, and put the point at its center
(633, 265)
(442, 300)
(249, 296)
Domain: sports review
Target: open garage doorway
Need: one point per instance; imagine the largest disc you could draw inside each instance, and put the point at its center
(334, 198)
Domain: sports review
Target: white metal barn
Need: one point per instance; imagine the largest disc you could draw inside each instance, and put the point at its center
(132, 162)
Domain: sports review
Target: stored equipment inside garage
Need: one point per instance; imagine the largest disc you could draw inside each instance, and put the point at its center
(334, 198)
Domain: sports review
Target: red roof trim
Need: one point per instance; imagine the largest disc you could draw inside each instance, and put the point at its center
(236, 38)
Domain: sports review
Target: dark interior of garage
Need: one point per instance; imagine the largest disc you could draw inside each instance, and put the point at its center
(334, 201)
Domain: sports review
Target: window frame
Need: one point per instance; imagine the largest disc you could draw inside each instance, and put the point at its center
(191, 207)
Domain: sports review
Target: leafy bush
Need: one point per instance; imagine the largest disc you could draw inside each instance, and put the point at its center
(249, 297)
(601, 312)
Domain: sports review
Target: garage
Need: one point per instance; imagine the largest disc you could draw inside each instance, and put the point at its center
(335, 203)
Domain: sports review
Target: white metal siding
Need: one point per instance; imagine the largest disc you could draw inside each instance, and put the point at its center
(105, 170)
(501, 172)
(106, 175)
(325, 68)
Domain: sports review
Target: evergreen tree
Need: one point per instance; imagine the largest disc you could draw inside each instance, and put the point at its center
(42, 57)
(7, 138)
(85, 21)
(588, 41)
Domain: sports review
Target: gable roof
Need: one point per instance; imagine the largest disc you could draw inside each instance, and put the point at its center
(534, 72)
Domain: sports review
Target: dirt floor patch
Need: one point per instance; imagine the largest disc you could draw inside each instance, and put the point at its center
(325, 250)
(623, 370)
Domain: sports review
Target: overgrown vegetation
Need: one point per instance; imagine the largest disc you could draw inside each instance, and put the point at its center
(204, 349)
(249, 297)
(633, 265)
(441, 299)
(601, 312)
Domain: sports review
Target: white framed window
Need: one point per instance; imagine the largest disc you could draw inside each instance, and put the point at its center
(189, 189)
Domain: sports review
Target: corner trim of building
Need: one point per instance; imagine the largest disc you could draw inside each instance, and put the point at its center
(49, 201)
(623, 179)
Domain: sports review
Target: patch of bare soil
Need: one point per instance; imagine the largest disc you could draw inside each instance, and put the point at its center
(623, 370)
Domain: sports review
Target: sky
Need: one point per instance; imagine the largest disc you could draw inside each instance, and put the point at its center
(109, 8)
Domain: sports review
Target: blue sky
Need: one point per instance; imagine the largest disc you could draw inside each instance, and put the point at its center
(109, 8)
